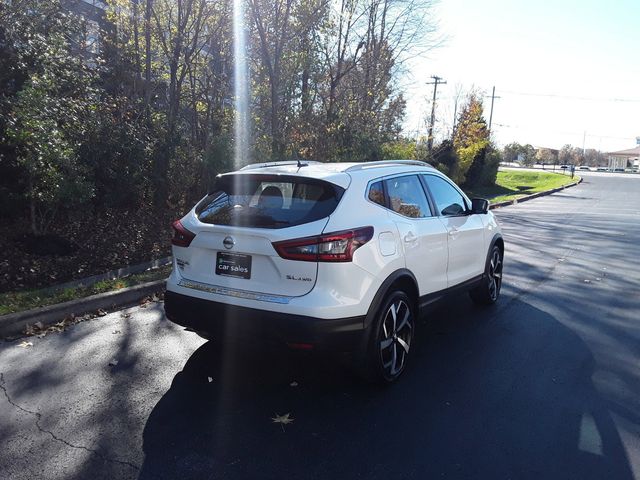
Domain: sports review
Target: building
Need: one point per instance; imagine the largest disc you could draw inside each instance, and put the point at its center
(624, 158)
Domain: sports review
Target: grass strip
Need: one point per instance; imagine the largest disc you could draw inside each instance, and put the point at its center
(11, 302)
(511, 185)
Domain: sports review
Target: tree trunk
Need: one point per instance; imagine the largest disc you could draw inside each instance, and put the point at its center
(136, 46)
(147, 49)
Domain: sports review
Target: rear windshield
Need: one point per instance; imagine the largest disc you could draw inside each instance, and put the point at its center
(268, 201)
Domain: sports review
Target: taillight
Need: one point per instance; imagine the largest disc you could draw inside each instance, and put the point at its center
(181, 236)
(331, 247)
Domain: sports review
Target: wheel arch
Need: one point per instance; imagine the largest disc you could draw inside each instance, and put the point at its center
(498, 241)
(402, 279)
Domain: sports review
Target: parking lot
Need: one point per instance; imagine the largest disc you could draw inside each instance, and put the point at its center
(544, 385)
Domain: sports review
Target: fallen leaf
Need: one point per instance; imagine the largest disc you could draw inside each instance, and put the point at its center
(25, 344)
(115, 332)
(113, 363)
(210, 379)
(101, 313)
(38, 325)
(285, 419)
(293, 384)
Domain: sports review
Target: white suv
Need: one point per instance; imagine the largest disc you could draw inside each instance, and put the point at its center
(338, 255)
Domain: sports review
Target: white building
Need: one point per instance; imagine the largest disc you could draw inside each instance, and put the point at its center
(624, 158)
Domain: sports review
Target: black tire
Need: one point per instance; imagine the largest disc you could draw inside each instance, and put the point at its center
(488, 292)
(391, 337)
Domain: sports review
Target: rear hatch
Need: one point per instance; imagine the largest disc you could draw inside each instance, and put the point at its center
(237, 223)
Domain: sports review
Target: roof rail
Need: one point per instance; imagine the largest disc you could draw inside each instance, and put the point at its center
(301, 163)
(387, 163)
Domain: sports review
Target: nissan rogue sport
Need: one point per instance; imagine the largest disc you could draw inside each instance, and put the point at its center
(331, 255)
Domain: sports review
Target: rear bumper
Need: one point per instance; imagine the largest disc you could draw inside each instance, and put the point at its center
(224, 320)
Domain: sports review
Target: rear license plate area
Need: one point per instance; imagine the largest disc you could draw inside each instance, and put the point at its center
(233, 265)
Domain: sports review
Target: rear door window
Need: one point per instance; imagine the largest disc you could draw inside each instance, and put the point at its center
(268, 201)
(407, 197)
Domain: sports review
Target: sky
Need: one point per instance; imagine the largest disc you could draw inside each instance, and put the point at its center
(566, 71)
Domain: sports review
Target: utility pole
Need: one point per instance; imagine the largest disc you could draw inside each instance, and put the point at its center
(436, 81)
(455, 117)
(493, 97)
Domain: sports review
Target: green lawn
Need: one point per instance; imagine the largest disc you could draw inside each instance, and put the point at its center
(11, 302)
(513, 184)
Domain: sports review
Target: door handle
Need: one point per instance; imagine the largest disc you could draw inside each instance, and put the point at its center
(410, 237)
(453, 231)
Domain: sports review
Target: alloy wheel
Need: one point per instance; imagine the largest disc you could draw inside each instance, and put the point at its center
(495, 275)
(395, 338)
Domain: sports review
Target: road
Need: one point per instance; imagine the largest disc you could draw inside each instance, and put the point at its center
(544, 385)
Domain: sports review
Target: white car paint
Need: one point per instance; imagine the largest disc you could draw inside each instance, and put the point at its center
(439, 251)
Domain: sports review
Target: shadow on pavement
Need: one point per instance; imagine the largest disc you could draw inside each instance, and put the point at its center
(489, 395)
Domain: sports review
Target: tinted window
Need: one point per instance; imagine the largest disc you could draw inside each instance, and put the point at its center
(376, 194)
(448, 199)
(267, 201)
(407, 197)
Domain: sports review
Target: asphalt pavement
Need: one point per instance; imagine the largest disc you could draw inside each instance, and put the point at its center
(545, 384)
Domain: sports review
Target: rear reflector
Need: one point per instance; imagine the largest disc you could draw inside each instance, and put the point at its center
(331, 247)
(181, 236)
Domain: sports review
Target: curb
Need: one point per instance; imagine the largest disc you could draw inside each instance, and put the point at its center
(112, 274)
(533, 195)
(16, 323)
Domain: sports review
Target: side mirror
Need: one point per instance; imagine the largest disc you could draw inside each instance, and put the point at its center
(479, 206)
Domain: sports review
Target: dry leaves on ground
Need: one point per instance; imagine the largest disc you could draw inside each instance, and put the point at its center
(285, 419)
(41, 330)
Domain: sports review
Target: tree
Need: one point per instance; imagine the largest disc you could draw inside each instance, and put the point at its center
(45, 117)
(515, 152)
(444, 157)
(401, 149)
(511, 152)
(569, 155)
(471, 141)
(595, 158)
(547, 156)
(528, 155)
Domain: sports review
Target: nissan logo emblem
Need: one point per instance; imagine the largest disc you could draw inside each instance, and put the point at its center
(228, 242)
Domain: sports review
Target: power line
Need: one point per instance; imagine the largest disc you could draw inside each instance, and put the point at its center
(563, 132)
(436, 81)
(573, 97)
